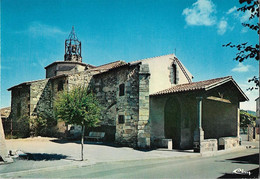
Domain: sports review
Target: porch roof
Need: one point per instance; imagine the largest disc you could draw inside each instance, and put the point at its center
(202, 85)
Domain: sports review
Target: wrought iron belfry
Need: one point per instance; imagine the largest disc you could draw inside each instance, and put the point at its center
(72, 47)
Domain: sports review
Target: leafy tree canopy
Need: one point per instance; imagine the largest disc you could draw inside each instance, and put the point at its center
(246, 119)
(245, 50)
(78, 106)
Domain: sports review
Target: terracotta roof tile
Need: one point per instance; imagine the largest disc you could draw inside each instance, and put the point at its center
(70, 62)
(194, 86)
(109, 65)
(24, 84)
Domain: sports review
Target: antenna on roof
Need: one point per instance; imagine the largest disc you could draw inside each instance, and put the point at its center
(175, 51)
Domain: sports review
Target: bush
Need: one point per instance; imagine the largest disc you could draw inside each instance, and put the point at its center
(44, 125)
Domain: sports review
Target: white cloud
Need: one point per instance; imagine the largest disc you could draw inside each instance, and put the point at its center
(244, 30)
(245, 16)
(241, 68)
(252, 95)
(231, 10)
(242, 16)
(222, 27)
(39, 29)
(201, 13)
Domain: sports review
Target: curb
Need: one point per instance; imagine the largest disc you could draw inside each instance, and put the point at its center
(11, 174)
(222, 152)
(78, 165)
(84, 164)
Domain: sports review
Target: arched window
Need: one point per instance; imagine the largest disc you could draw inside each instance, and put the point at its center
(122, 89)
(174, 73)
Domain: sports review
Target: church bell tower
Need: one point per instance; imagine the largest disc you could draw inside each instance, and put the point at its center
(72, 48)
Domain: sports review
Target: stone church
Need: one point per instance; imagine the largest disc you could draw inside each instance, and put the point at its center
(146, 103)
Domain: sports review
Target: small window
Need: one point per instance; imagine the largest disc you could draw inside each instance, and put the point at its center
(18, 93)
(60, 86)
(121, 119)
(174, 71)
(18, 110)
(122, 90)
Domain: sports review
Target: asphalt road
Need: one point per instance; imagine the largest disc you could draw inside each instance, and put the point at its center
(202, 167)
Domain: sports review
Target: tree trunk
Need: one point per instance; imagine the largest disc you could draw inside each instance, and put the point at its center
(82, 140)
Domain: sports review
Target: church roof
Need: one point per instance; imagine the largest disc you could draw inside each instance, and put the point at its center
(30, 82)
(109, 66)
(24, 84)
(201, 85)
(70, 62)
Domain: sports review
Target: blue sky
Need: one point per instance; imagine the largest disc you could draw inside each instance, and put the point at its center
(33, 34)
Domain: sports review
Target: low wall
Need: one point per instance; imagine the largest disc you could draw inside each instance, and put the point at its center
(208, 145)
(163, 143)
(228, 142)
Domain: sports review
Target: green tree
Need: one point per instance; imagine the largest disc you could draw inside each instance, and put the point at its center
(79, 107)
(246, 119)
(245, 50)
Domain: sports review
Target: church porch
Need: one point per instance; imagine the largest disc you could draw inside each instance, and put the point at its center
(199, 115)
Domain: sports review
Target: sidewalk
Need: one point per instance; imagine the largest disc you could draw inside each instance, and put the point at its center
(51, 154)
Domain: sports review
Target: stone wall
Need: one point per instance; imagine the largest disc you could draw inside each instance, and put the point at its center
(51, 71)
(125, 116)
(20, 102)
(36, 100)
(80, 79)
(209, 145)
(20, 110)
(60, 68)
(120, 111)
(228, 142)
(40, 97)
(143, 122)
